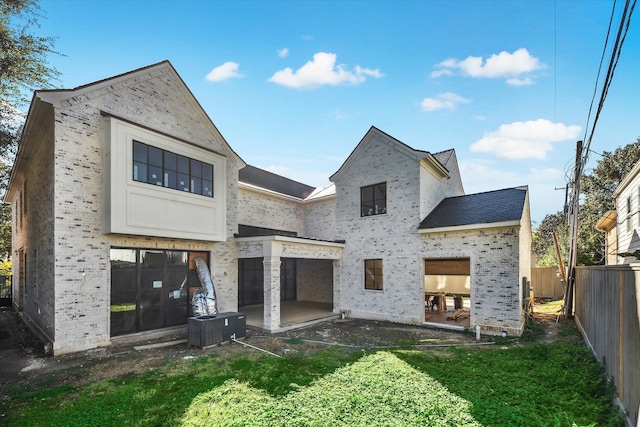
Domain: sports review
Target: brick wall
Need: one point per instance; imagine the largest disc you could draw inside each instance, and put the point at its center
(33, 232)
(391, 237)
(495, 273)
(159, 101)
(315, 280)
(320, 220)
(261, 210)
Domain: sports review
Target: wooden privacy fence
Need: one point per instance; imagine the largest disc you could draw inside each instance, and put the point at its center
(608, 315)
(546, 283)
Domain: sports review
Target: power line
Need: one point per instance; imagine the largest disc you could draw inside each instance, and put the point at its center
(615, 56)
(582, 152)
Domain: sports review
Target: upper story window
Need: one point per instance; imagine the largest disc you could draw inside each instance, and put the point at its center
(629, 214)
(160, 167)
(373, 199)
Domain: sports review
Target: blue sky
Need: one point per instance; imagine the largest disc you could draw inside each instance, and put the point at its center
(294, 85)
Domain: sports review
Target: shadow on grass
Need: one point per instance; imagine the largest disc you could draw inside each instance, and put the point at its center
(161, 396)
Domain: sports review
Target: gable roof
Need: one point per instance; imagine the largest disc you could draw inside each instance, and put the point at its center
(45, 99)
(499, 207)
(444, 156)
(418, 155)
(270, 181)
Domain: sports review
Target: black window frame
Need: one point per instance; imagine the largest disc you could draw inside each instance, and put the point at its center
(373, 274)
(196, 175)
(373, 199)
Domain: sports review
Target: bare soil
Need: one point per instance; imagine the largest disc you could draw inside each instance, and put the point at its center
(24, 363)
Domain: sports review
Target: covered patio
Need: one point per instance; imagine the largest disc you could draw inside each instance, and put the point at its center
(293, 314)
(314, 289)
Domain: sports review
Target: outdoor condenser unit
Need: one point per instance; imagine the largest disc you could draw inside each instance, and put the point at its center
(204, 331)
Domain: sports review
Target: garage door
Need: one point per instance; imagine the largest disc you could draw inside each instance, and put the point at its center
(447, 267)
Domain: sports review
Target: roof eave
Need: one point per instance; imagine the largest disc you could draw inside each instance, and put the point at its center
(35, 110)
(607, 222)
(465, 227)
(436, 166)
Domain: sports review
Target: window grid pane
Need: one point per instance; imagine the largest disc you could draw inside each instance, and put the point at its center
(156, 166)
(373, 200)
(373, 274)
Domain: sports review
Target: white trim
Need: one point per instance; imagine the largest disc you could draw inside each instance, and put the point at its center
(432, 165)
(470, 227)
(136, 208)
(288, 239)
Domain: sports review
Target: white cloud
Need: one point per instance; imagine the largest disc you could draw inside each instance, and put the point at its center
(502, 65)
(520, 82)
(523, 140)
(283, 53)
(444, 101)
(226, 71)
(322, 70)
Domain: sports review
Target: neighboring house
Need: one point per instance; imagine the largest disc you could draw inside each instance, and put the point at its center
(119, 184)
(608, 224)
(622, 225)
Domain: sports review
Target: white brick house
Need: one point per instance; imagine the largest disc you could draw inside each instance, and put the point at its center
(120, 183)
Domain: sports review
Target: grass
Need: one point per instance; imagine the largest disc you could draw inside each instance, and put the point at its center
(558, 384)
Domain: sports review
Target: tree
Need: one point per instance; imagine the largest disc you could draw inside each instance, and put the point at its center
(5, 214)
(543, 245)
(23, 68)
(23, 55)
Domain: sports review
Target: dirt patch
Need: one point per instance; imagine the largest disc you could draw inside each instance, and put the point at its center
(24, 362)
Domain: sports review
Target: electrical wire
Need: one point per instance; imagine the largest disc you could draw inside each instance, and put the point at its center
(615, 56)
(604, 51)
(582, 152)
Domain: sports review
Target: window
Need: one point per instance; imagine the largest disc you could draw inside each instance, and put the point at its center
(373, 274)
(163, 168)
(629, 214)
(373, 200)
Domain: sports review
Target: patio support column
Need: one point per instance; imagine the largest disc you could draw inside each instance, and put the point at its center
(337, 286)
(271, 292)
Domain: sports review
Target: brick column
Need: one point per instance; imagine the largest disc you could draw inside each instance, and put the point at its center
(271, 292)
(337, 286)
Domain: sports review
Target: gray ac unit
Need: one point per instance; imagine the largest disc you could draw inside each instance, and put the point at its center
(204, 331)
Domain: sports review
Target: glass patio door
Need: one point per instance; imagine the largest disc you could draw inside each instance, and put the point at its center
(149, 289)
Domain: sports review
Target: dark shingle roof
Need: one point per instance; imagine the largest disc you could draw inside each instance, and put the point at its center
(444, 156)
(270, 181)
(480, 208)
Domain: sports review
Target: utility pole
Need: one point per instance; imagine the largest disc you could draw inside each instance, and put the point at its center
(573, 227)
(565, 207)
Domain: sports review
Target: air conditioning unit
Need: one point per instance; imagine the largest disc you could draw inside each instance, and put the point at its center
(204, 331)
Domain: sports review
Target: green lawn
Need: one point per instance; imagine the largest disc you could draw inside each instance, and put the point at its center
(510, 384)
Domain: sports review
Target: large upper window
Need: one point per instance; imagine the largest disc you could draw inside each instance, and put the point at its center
(373, 199)
(373, 274)
(160, 167)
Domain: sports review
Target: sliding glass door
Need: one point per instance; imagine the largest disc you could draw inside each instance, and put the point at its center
(150, 289)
